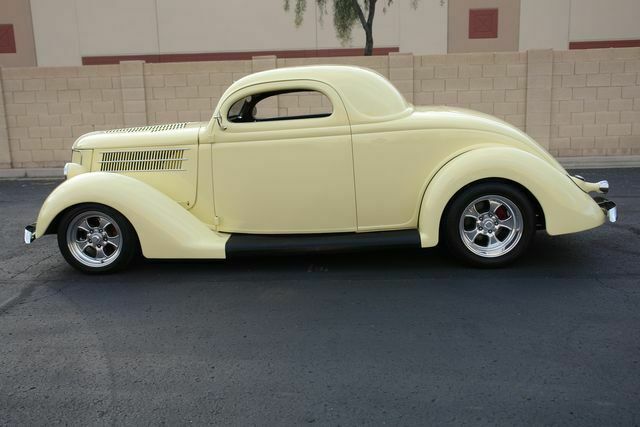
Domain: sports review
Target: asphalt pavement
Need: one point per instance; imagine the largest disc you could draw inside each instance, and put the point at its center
(400, 338)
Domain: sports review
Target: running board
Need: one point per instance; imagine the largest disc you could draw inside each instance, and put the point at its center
(263, 244)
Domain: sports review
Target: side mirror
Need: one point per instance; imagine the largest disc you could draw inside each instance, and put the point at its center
(218, 118)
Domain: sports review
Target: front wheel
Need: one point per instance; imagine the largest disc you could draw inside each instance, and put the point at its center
(96, 239)
(489, 224)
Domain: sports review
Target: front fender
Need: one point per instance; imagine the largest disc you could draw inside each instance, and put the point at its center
(567, 209)
(164, 228)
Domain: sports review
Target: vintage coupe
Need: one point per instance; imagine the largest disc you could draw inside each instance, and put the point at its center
(311, 158)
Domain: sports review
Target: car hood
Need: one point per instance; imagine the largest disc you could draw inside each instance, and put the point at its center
(143, 136)
(444, 117)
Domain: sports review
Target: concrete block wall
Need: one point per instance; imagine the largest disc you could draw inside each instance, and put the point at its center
(493, 83)
(301, 103)
(188, 91)
(5, 151)
(49, 108)
(575, 103)
(595, 102)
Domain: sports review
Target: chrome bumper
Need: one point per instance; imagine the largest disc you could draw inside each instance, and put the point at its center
(29, 233)
(610, 209)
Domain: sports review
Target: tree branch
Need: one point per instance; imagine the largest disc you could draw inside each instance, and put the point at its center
(358, 10)
(372, 12)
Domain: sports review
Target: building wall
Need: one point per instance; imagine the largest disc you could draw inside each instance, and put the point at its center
(544, 24)
(595, 102)
(575, 103)
(423, 31)
(553, 24)
(62, 32)
(604, 20)
(493, 83)
(508, 22)
(18, 13)
(152, 27)
(56, 40)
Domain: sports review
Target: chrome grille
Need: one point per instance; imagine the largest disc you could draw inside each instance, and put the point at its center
(155, 128)
(143, 161)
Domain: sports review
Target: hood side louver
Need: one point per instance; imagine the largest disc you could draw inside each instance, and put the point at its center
(155, 128)
(143, 161)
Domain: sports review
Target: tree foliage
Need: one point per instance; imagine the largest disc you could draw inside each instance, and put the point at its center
(346, 13)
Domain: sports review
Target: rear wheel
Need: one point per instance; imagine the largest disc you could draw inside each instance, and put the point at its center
(96, 239)
(489, 224)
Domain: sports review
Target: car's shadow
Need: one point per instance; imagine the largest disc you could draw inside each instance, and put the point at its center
(564, 255)
(605, 251)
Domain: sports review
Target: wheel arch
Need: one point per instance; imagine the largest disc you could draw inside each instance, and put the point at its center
(164, 229)
(539, 212)
(55, 222)
(562, 206)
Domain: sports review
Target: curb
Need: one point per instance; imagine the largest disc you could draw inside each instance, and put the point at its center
(600, 162)
(568, 162)
(31, 173)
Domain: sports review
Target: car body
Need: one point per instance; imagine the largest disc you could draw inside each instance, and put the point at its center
(369, 170)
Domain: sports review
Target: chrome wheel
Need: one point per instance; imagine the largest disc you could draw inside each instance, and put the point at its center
(491, 226)
(94, 239)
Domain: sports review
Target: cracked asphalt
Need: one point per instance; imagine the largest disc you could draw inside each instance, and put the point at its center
(402, 338)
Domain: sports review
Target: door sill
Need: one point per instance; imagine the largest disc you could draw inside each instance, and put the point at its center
(240, 245)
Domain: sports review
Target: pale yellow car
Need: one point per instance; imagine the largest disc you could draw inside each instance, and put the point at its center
(313, 158)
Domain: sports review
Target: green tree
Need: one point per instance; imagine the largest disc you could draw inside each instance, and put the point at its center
(345, 15)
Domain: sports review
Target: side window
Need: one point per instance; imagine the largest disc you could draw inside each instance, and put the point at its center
(281, 105)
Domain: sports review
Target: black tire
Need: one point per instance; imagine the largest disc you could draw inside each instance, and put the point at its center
(455, 226)
(119, 244)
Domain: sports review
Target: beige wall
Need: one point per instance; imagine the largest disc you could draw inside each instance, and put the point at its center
(124, 27)
(494, 83)
(423, 30)
(508, 26)
(576, 103)
(196, 26)
(595, 102)
(552, 24)
(544, 24)
(18, 13)
(604, 20)
(57, 41)
(116, 26)
(66, 30)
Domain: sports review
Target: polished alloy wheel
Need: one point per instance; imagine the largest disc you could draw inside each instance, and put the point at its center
(491, 226)
(94, 239)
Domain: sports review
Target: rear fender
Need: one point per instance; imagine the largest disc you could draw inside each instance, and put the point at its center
(164, 228)
(566, 208)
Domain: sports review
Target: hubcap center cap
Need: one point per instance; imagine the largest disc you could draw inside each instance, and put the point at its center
(96, 238)
(488, 224)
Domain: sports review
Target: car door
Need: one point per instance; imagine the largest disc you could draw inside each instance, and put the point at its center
(281, 168)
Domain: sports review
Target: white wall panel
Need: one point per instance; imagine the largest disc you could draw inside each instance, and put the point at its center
(544, 24)
(117, 27)
(423, 30)
(55, 31)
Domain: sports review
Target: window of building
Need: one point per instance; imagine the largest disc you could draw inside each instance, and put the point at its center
(483, 23)
(7, 39)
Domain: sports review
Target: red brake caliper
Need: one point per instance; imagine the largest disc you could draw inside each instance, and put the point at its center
(501, 213)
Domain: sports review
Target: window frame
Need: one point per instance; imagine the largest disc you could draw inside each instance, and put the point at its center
(336, 120)
(257, 98)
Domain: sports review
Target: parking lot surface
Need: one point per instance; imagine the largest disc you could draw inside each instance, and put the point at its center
(401, 338)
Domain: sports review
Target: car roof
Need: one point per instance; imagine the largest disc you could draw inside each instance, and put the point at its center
(368, 96)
